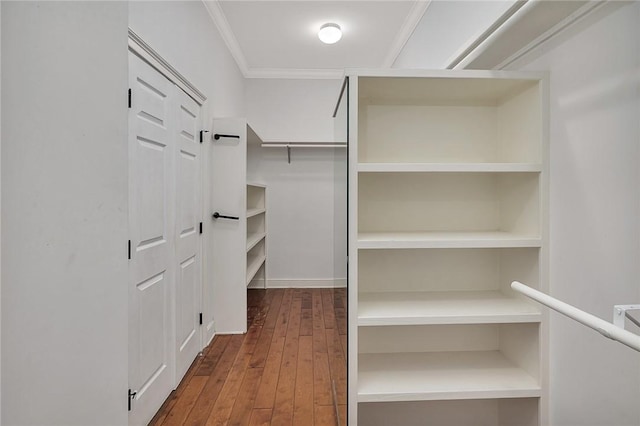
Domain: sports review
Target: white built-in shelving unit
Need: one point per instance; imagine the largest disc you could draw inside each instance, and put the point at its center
(239, 238)
(256, 231)
(448, 205)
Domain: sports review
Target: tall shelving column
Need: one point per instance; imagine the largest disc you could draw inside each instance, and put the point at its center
(447, 198)
(238, 242)
(256, 233)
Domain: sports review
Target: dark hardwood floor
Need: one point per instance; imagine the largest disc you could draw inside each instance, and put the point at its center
(280, 373)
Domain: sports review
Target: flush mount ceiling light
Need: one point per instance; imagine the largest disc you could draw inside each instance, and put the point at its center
(330, 33)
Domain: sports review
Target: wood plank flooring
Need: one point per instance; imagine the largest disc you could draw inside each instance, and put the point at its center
(280, 373)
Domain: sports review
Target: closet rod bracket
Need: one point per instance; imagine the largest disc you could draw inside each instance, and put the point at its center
(217, 136)
(620, 312)
(217, 215)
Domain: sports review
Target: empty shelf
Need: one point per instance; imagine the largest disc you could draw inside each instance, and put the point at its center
(456, 307)
(441, 376)
(450, 167)
(253, 266)
(254, 239)
(382, 240)
(255, 212)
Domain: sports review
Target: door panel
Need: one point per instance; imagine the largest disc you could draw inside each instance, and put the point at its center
(188, 244)
(152, 293)
(150, 191)
(151, 270)
(186, 290)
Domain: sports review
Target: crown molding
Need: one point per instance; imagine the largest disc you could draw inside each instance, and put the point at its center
(220, 20)
(547, 36)
(473, 44)
(479, 55)
(408, 27)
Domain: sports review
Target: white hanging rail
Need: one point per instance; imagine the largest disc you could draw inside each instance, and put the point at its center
(290, 145)
(603, 327)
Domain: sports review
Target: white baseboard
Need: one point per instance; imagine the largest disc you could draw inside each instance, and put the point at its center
(303, 283)
(340, 283)
(210, 333)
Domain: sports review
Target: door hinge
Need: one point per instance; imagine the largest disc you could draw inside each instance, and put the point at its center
(129, 249)
(131, 396)
(129, 97)
(202, 132)
(200, 318)
(201, 227)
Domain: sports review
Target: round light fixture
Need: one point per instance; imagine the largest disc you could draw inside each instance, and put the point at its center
(330, 33)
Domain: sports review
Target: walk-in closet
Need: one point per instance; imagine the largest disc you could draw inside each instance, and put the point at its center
(320, 213)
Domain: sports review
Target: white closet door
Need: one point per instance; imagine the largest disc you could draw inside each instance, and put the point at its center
(151, 224)
(188, 246)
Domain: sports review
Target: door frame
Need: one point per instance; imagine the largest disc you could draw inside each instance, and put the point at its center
(146, 52)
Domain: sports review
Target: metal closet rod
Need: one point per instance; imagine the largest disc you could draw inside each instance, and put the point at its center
(603, 327)
(303, 145)
(290, 145)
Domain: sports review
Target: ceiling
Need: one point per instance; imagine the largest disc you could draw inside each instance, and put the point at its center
(279, 38)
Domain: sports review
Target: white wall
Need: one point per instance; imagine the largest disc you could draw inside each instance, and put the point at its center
(64, 194)
(300, 217)
(183, 33)
(64, 213)
(595, 213)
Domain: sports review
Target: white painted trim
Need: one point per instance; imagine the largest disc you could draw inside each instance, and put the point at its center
(487, 39)
(490, 74)
(406, 31)
(213, 335)
(0, 230)
(300, 283)
(545, 37)
(222, 24)
(340, 282)
(220, 20)
(474, 43)
(295, 73)
(509, 23)
(146, 52)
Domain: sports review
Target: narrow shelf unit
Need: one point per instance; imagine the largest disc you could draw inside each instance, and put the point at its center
(448, 196)
(238, 248)
(256, 233)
